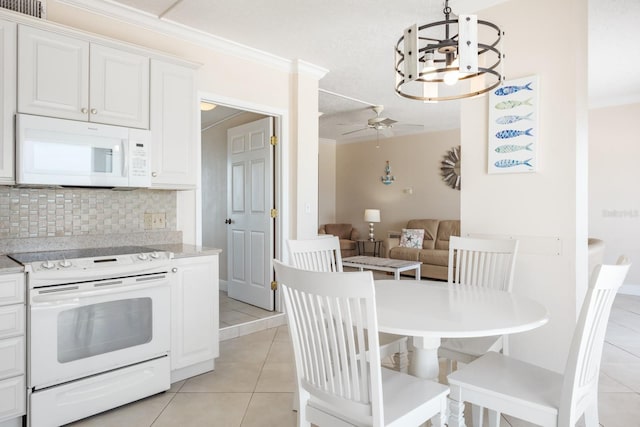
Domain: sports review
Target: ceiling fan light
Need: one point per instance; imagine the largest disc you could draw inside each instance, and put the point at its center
(207, 106)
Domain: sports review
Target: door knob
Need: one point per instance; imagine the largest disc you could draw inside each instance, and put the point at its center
(228, 221)
(94, 111)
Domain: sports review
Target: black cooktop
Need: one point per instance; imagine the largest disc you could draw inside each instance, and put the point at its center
(28, 257)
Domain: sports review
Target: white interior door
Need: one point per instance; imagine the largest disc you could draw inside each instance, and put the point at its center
(250, 226)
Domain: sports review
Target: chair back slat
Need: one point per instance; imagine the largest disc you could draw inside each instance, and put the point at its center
(332, 323)
(585, 354)
(482, 262)
(321, 254)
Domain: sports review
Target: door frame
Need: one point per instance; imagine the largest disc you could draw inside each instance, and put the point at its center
(281, 171)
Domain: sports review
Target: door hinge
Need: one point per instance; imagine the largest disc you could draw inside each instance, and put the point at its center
(274, 285)
(274, 140)
(274, 213)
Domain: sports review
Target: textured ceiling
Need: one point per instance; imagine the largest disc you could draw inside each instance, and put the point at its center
(355, 39)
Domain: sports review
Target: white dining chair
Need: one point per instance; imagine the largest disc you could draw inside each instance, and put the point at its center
(333, 327)
(478, 262)
(323, 254)
(507, 385)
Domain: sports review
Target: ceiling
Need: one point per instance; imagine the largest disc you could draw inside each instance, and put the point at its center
(354, 40)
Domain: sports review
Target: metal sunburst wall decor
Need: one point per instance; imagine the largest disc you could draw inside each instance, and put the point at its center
(450, 170)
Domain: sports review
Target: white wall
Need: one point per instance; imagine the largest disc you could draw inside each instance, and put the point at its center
(415, 163)
(614, 208)
(547, 210)
(327, 181)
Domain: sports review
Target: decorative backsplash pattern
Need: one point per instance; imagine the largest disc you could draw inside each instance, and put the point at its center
(80, 211)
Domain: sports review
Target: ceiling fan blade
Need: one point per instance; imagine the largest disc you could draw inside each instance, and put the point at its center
(387, 122)
(354, 131)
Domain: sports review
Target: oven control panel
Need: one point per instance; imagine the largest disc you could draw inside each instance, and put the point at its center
(97, 263)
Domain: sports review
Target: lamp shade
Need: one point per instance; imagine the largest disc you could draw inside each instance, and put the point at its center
(372, 215)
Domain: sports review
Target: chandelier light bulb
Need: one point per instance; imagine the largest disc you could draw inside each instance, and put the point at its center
(451, 77)
(429, 67)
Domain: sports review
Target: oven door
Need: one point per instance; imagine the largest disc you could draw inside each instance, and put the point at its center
(86, 328)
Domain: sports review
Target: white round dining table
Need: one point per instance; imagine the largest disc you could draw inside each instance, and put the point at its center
(429, 311)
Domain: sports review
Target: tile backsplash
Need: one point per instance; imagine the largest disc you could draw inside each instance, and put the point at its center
(26, 213)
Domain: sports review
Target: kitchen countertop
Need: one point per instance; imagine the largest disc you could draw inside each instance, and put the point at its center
(7, 265)
(181, 250)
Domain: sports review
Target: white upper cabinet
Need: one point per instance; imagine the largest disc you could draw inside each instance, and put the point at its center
(70, 78)
(173, 126)
(7, 100)
(119, 85)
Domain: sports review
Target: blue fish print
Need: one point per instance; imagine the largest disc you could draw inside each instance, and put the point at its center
(505, 120)
(511, 148)
(509, 163)
(508, 90)
(512, 133)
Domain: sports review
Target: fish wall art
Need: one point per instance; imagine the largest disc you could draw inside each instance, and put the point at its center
(513, 126)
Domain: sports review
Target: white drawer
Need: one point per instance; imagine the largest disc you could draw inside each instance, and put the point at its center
(11, 320)
(11, 288)
(12, 398)
(11, 357)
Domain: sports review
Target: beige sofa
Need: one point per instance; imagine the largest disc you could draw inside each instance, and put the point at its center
(434, 254)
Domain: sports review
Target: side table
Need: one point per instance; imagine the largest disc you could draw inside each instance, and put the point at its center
(362, 246)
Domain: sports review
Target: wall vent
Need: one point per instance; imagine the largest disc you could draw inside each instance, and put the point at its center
(35, 8)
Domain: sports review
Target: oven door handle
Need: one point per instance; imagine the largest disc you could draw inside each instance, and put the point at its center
(80, 294)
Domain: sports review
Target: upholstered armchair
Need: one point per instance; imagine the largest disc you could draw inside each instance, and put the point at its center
(347, 235)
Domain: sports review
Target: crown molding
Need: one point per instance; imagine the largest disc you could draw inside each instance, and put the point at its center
(613, 101)
(304, 67)
(151, 22)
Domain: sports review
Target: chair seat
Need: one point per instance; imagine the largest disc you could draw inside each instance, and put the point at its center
(467, 350)
(407, 400)
(519, 385)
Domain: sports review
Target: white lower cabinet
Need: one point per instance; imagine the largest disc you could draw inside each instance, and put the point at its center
(194, 316)
(12, 348)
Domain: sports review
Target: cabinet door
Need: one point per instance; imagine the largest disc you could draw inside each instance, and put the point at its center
(8, 99)
(194, 311)
(12, 398)
(119, 91)
(53, 74)
(173, 126)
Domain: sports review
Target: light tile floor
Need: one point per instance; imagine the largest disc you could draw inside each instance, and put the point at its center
(253, 383)
(234, 312)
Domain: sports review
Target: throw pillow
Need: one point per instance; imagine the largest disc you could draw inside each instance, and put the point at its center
(412, 238)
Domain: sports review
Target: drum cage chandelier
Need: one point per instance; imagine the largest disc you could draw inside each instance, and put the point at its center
(428, 66)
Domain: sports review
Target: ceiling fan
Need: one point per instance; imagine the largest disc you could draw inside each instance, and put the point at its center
(377, 123)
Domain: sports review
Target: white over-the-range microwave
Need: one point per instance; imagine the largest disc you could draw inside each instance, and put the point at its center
(58, 152)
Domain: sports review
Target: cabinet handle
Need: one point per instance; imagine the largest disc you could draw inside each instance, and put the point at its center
(154, 174)
(174, 270)
(84, 110)
(94, 111)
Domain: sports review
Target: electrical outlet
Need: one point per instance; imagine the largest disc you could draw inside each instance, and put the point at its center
(159, 220)
(148, 221)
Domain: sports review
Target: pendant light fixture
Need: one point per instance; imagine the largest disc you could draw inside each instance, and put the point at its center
(449, 59)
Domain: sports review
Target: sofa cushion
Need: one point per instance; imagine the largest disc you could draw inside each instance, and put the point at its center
(430, 227)
(435, 257)
(407, 254)
(412, 238)
(342, 231)
(446, 229)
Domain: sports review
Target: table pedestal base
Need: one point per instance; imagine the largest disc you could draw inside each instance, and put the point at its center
(425, 358)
